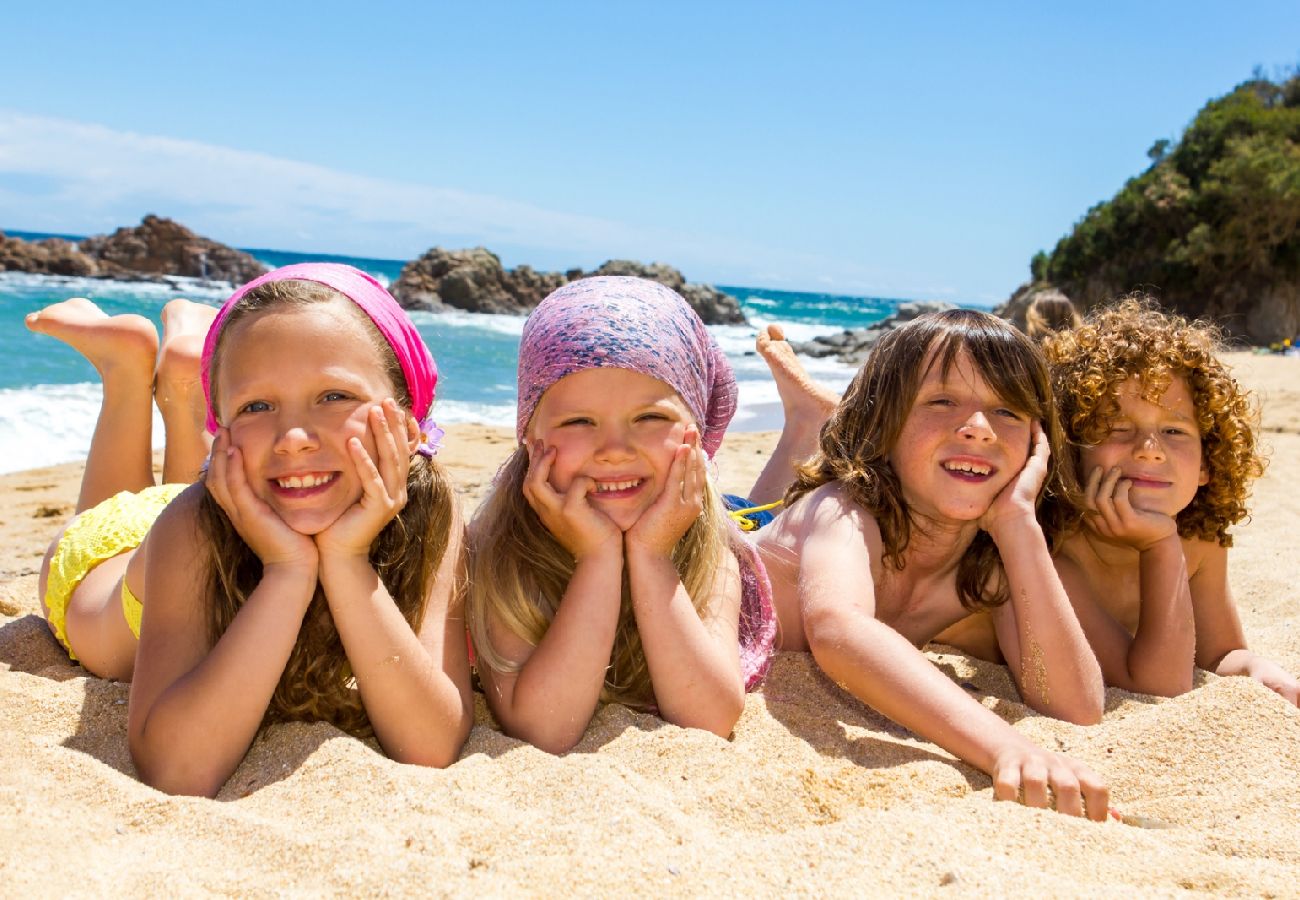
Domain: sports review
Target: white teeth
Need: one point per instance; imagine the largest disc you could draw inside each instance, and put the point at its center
(300, 481)
(605, 486)
(973, 468)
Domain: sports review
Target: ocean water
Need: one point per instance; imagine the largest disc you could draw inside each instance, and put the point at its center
(49, 395)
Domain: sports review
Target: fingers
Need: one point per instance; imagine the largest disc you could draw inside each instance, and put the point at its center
(537, 486)
(1044, 780)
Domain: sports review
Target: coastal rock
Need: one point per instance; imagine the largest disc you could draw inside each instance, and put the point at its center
(853, 345)
(475, 280)
(50, 256)
(472, 280)
(159, 246)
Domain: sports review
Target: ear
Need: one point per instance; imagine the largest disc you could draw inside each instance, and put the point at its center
(412, 433)
(1205, 475)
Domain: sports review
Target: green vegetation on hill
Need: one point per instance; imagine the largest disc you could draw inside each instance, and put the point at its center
(1212, 227)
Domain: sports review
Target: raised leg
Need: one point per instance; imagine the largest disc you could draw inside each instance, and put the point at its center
(178, 390)
(806, 404)
(122, 349)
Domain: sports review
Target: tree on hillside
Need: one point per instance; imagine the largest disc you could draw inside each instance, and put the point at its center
(1212, 227)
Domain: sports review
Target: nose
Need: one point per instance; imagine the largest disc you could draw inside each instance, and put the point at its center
(295, 435)
(1149, 447)
(614, 445)
(977, 428)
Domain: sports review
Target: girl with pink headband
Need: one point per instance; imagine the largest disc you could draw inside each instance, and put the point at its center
(311, 572)
(604, 565)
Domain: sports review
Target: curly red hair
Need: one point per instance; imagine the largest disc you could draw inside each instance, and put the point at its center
(1136, 339)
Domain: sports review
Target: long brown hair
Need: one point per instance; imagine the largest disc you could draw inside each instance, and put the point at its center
(316, 682)
(856, 441)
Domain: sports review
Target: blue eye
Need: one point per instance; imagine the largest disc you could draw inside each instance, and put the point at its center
(255, 406)
(337, 395)
(1009, 414)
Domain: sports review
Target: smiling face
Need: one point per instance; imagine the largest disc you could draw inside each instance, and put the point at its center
(618, 428)
(1156, 446)
(959, 446)
(293, 385)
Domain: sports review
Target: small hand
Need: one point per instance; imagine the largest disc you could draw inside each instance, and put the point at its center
(679, 502)
(261, 527)
(576, 524)
(383, 486)
(1114, 516)
(1029, 773)
(1017, 499)
(1275, 678)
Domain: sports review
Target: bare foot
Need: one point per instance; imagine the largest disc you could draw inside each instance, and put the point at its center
(804, 401)
(115, 345)
(185, 326)
(178, 389)
(806, 404)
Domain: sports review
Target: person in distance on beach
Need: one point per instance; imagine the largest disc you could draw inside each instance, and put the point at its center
(1049, 313)
(918, 507)
(1165, 440)
(312, 573)
(604, 566)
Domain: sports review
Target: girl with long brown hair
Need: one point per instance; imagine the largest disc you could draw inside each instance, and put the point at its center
(313, 572)
(918, 507)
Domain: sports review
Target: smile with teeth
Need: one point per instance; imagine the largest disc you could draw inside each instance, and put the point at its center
(306, 481)
(608, 487)
(972, 468)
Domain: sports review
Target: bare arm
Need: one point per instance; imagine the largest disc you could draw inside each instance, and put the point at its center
(883, 669)
(415, 688)
(694, 658)
(1220, 640)
(195, 710)
(551, 698)
(1043, 643)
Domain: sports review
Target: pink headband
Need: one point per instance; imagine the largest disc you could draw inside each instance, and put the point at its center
(627, 323)
(418, 367)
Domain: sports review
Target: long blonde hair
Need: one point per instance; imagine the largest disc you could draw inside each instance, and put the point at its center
(519, 572)
(406, 553)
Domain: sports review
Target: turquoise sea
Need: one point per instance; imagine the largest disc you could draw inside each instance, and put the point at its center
(49, 395)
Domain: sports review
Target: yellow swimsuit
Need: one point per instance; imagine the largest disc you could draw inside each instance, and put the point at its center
(114, 526)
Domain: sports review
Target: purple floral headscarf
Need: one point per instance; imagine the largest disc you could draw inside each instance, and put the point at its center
(627, 323)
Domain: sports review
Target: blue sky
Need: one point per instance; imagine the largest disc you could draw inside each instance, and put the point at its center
(848, 148)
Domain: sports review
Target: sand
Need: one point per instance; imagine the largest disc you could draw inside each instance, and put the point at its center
(814, 794)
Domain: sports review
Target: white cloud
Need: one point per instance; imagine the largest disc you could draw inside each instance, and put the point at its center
(61, 175)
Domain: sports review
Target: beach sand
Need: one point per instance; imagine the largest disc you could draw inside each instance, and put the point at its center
(814, 794)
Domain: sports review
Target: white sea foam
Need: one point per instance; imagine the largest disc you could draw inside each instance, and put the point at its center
(50, 424)
(76, 286)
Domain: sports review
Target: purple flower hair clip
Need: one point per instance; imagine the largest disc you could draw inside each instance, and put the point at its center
(430, 438)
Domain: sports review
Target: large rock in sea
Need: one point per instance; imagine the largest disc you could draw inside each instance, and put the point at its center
(159, 246)
(472, 280)
(475, 280)
(154, 249)
(49, 256)
(853, 345)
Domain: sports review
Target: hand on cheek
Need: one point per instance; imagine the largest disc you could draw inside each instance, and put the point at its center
(1017, 500)
(382, 478)
(261, 527)
(568, 515)
(680, 500)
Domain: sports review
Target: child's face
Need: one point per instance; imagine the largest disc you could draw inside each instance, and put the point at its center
(1156, 446)
(294, 385)
(617, 427)
(960, 445)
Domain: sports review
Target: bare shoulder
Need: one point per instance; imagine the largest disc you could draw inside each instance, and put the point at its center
(1204, 556)
(175, 534)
